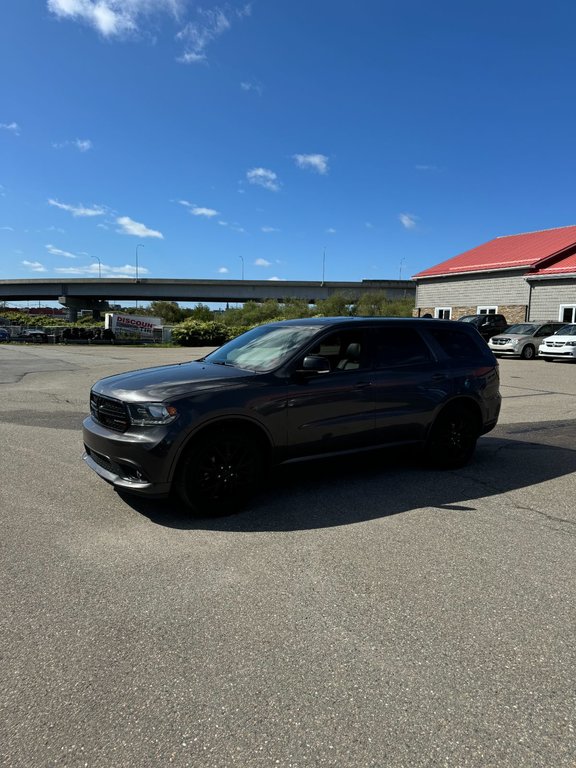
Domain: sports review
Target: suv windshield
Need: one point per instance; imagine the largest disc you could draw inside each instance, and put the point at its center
(525, 329)
(262, 349)
(566, 330)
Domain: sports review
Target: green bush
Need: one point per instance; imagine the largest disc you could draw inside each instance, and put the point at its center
(205, 333)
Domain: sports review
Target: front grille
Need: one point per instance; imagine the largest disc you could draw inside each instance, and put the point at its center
(111, 413)
(500, 342)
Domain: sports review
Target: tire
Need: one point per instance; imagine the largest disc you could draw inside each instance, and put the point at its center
(452, 438)
(219, 472)
(528, 353)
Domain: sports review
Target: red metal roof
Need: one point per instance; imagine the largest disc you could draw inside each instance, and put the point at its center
(564, 266)
(510, 252)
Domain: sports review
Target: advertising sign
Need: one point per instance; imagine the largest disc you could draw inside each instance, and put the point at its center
(124, 325)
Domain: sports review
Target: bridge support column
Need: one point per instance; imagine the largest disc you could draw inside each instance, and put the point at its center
(74, 304)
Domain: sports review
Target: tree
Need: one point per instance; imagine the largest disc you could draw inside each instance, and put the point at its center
(336, 305)
(169, 311)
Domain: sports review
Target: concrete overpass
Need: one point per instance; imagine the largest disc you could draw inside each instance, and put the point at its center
(95, 293)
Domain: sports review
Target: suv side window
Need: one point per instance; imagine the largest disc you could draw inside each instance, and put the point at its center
(546, 330)
(455, 343)
(344, 350)
(399, 346)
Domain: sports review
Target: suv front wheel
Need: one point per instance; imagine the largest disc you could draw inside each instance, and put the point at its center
(219, 471)
(528, 352)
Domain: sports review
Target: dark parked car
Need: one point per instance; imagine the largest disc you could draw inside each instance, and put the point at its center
(207, 431)
(486, 325)
(4, 334)
(32, 334)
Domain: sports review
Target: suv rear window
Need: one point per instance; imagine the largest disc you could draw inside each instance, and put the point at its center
(456, 344)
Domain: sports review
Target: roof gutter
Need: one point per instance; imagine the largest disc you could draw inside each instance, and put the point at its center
(558, 276)
(471, 272)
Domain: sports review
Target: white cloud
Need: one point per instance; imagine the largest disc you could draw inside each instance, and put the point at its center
(58, 252)
(130, 227)
(275, 279)
(262, 263)
(102, 270)
(192, 58)
(249, 86)
(269, 229)
(263, 177)
(113, 18)
(8, 229)
(198, 210)
(426, 167)
(408, 220)
(331, 231)
(209, 25)
(82, 145)
(35, 266)
(318, 163)
(223, 270)
(78, 210)
(12, 127)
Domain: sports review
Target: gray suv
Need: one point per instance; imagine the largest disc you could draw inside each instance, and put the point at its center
(522, 340)
(207, 431)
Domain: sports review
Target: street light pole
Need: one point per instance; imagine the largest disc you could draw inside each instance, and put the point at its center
(138, 246)
(99, 268)
(242, 259)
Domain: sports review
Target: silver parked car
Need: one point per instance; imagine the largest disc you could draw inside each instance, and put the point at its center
(522, 340)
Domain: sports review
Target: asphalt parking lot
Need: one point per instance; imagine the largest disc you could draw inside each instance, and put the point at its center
(361, 613)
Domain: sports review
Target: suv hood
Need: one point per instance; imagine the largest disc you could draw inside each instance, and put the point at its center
(564, 338)
(505, 335)
(169, 382)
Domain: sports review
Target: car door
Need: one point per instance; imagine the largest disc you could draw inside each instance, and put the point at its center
(335, 410)
(408, 384)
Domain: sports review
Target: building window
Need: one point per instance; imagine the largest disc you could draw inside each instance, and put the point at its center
(487, 310)
(567, 313)
(443, 313)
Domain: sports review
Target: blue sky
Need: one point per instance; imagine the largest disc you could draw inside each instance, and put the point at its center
(207, 140)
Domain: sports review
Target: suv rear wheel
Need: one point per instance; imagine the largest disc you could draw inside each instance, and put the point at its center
(219, 471)
(452, 438)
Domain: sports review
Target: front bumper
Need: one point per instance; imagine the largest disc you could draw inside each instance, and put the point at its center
(130, 461)
(505, 351)
(561, 353)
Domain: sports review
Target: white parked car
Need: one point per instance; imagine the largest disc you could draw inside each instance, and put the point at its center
(560, 346)
(522, 340)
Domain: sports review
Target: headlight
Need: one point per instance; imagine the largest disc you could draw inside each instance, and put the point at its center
(514, 342)
(151, 414)
(570, 343)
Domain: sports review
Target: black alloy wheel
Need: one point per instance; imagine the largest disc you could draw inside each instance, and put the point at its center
(219, 472)
(452, 438)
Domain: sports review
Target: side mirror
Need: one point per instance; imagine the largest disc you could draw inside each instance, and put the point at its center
(315, 364)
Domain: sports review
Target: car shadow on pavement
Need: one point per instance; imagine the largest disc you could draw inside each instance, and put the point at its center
(354, 489)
